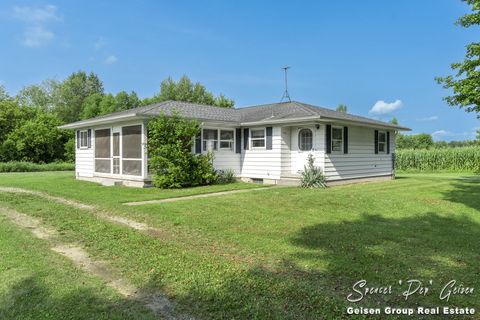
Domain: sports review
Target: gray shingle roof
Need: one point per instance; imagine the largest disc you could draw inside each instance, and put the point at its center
(262, 113)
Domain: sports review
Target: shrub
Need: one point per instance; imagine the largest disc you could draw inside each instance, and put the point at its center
(462, 159)
(226, 176)
(312, 176)
(19, 166)
(170, 141)
(36, 140)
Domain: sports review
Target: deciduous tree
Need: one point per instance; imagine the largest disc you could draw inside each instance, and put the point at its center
(465, 83)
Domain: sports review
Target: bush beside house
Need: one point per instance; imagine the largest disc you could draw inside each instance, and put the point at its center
(171, 160)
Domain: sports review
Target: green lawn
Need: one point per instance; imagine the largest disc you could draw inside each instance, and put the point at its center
(276, 253)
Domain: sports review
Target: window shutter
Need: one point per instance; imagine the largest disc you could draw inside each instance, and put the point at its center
(268, 143)
(376, 141)
(89, 138)
(78, 139)
(238, 140)
(198, 143)
(246, 135)
(388, 142)
(328, 138)
(345, 139)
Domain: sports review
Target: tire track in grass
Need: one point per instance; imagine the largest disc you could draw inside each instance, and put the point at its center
(158, 303)
(157, 233)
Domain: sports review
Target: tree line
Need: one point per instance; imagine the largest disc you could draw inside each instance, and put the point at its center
(29, 120)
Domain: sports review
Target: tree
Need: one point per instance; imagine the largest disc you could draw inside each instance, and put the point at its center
(11, 116)
(37, 140)
(342, 108)
(416, 141)
(186, 90)
(466, 81)
(91, 106)
(98, 104)
(4, 94)
(394, 121)
(73, 92)
(478, 134)
(44, 95)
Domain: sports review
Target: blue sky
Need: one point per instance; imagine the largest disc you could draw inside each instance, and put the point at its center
(379, 56)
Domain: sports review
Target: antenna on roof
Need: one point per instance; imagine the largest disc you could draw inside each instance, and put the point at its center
(286, 95)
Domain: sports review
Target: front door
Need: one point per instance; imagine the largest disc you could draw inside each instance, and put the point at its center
(303, 142)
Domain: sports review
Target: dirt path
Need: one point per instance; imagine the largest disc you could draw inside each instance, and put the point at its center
(198, 243)
(205, 195)
(68, 202)
(157, 302)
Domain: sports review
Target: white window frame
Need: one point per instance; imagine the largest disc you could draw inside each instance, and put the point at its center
(217, 140)
(251, 139)
(332, 139)
(299, 139)
(384, 143)
(231, 141)
(83, 133)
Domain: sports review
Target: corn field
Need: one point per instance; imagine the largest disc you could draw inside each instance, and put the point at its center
(464, 159)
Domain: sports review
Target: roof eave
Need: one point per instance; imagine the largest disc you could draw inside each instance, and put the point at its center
(325, 119)
(271, 121)
(95, 122)
(366, 124)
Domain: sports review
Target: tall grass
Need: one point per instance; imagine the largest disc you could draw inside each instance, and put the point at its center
(20, 166)
(464, 159)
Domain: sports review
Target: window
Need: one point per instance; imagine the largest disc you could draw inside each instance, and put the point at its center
(210, 139)
(226, 140)
(257, 138)
(337, 139)
(305, 140)
(84, 139)
(382, 141)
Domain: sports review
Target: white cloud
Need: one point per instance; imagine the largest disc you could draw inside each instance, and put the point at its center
(35, 21)
(441, 133)
(432, 118)
(382, 107)
(111, 59)
(37, 36)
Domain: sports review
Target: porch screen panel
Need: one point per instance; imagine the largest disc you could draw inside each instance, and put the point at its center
(132, 150)
(132, 167)
(102, 151)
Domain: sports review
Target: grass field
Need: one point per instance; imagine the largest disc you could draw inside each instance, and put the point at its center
(268, 254)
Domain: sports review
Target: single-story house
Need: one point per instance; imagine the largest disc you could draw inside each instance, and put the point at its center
(265, 143)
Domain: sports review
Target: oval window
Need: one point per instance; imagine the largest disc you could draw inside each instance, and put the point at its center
(305, 140)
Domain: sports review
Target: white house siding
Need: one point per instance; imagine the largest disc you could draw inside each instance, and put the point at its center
(227, 160)
(361, 160)
(286, 151)
(262, 163)
(84, 160)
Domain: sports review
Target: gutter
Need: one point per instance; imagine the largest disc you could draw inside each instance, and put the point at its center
(324, 119)
(88, 123)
